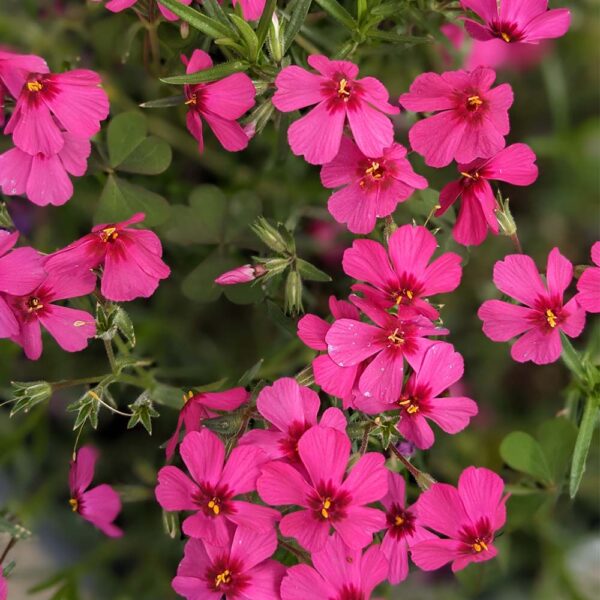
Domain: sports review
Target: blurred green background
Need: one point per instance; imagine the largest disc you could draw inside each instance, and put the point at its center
(196, 335)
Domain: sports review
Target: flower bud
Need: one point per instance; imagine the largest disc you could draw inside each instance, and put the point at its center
(242, 274)
(27, 394)
(506, 221)
(275, 43)
(293, 293)
(276, 238)
(6, 221)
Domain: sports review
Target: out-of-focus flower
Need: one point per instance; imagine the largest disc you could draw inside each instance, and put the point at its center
(469, 516)
(216, 483)
(339, 96)
(403, 275)
(3, 587)
(471, 119)
(544, 315)
(588, 285)
(370, 187)
(120, 5)
(101, 505)
(242, 274)
(131, 259)
(421, 399)
(219, 103)
(515, 21)
(338, 572)
(251, 9)
(327, 498)
(240, 569)
(514, 164)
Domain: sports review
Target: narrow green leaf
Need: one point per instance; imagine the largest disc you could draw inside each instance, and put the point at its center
(310, 272)
(212, 74)
(265, 22)
(125, 133)
(297, 17)
(167, 102)
(247, 34)
(251, 374)
(361, 9)
(210, 27)
(582, 445)
(151, 157)
(338, 12)
(557, 439)
(523, 453)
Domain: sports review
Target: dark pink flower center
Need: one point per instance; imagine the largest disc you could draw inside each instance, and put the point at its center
(408, 289)
(109, 235)
(469, 178)
(213, 501)
(226, 576)
(289, 445)
(478, 537)
(400, 522)
(550, 314)
(195, 97)
(509, 32)
(401, 336)
(350, 592)
(38, 86)
(414, 400)
(341, 91)
(329, 503)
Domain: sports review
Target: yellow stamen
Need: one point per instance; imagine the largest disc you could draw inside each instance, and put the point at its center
(505, 37)
(326, 507)
(187, 397)
(404, 294)
(395, 338)
(80, 323)
(34, 86)
(110, 234)
(374, 170)
(192, 100)
(398, 520)
(412, 409)
(473, 176)
(475, 101)
(342, 91)
(74, 504)
(479, 546)
(551, 318)
(34, 305)
(214, 505)
(224, 577)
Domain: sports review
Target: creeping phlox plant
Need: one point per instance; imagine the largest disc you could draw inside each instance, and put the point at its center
(301, 486)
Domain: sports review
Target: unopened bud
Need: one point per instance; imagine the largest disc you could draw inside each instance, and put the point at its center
(242, 274)
(27, 394)
(275, 43)
(277, 239)
(506, 221)
(293, 293)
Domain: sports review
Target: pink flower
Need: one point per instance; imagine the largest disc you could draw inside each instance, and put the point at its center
(404, 529)
(338, 95)
(373, 187)
(251, 9)
(588, 285)
(51, 102)
(514, 164)
(327, 498)
(291, 410)
(403, 275)
(469, 516)
(333, 379)
(217, 482)
(131, 259)
(391, 340)
(219, 103)
(21, 272)
(471, 119)
(3, 587)
(44, 179)
(70, 327)
(120, 5)
(242, 274)
(421, 399)
(339, 573)
(515, 21)
(101, 505)
(198, 407)
(544, 315)
(241, 570)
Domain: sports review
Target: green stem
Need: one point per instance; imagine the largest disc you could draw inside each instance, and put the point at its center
(410, 467)
(572, 359)
(67, 383)
(584, 440)
(111, 355)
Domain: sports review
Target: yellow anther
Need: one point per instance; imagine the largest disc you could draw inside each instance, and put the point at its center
(34, 86)
(224, 577)
(475, 101)
(395, 338)
(473, 176)
(479, 546)
(325, 508)
(188, 396)
(192, 100)
(404, 294)
(74, 504)
(551, 318)
(110, 234)
(374, 170)
(412, 409)
(214, 506)
(34, 304)
(505, 37)
(342, 91)
(398, 520)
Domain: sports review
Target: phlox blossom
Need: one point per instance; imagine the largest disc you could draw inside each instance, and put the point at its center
(338, 573)
(101, 505)
(404, 274)
(371, 187)
(588, 284)
(339, 96)
(243, 274)
(131, 259)
(240, 570)
(421, 398)
(516, 21)
(471, 117)
(219, 103)
(514, 164)
(216, 484)
(251, 9)
(544, 315)
(120, 5)
(328, 499)
(469, 517)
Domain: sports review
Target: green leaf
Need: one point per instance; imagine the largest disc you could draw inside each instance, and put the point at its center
(557, 439)
(167, 102)
(338, 12)
(298, 13)
(265, 22)
(87, 408)
(151, 157)
(210, 27)
(251, 374)
(212, 74)
(200, 285)
(361, 9)
(248, 35)
(244, 293)
(125, 133)
(121, 199)
(168, 395)
(522, 452)
(582, 445)
(124, 324)
(142, 412)
(310, 272)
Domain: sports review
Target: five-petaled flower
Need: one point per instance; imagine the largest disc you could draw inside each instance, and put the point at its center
(588, 284)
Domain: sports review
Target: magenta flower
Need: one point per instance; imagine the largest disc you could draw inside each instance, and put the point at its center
(44, 179)
(471, 119)
(251, 9)
(21, 271)
(588, 285)
(514, 164)
(339, 96)
(70, 327)
(515, 21)
(404, 529)
(198, 407)
(120, 5)
(242, 274)
(403, 275)
(3, 587)
(216, 485)
(373, 187)
(290, 409)
(469, 516)
(51, 102)
(131, 259)
(333, 379)
(390, 341)
(421, 399)
(241, 570)
(101, 505)
(338, 573)
(327, 498)
(544, 315)
(219, 103)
